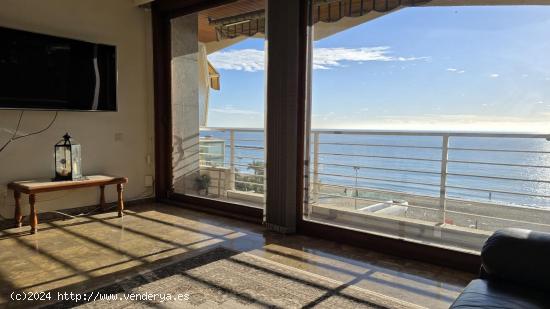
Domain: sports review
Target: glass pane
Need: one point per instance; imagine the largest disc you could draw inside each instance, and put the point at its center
(419, 118)
(218, 62)
(63, 161)
(76, 162)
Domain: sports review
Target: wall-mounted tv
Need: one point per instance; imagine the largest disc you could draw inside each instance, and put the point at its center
(51, 73)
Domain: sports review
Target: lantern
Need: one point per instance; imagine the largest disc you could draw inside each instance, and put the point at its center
(67, 160)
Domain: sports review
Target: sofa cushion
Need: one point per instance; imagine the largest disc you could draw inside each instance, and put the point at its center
(520, 256)
(482, 293)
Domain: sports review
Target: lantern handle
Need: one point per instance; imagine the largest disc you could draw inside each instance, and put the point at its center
(67, 138)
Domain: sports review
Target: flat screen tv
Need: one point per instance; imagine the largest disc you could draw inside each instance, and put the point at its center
(46, 72)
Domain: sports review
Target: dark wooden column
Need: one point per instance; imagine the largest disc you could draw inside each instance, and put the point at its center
(286, 47)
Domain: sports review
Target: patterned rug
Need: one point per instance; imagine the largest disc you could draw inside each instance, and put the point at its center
(228, 279)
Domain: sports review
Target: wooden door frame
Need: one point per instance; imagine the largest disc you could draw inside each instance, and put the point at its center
(162, 12)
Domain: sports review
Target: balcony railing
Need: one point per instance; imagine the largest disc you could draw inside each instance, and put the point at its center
(474, 180)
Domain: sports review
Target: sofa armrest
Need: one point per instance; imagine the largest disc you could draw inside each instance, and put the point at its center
(518, 255)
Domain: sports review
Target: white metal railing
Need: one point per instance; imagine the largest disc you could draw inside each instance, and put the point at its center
(355, 153)
(344, 159)
(243, 152)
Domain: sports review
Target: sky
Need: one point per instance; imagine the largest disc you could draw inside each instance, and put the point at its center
(440, 68)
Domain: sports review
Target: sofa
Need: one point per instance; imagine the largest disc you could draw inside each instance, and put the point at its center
(515, 272)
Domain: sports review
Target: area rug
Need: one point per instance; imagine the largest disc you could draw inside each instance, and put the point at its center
(223, 278)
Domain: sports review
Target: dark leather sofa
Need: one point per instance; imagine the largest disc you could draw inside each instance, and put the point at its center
(515, 272)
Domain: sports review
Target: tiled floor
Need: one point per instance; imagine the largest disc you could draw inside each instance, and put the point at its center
(89, 252)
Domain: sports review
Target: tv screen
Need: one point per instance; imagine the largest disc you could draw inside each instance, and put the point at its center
(46, 72)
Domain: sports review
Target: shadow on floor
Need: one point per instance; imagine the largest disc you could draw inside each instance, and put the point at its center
(84, 254)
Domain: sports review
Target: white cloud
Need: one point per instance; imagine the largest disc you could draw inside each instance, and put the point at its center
(249, 60)
(252, 60)
(323, 117)
(439, 122)
(494, 75)
(233, 111)
(454, 70)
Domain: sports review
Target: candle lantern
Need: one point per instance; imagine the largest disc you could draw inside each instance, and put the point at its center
(67, 160)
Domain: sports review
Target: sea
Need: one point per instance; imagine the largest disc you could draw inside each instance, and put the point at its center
(503, 170)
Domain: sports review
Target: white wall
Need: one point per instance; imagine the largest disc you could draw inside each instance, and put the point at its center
(112, 143)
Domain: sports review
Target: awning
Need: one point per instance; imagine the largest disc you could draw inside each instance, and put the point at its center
(247, 24)
(333, 10)
(328, 11)
(214, 77)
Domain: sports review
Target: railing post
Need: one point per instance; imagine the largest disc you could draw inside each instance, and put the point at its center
(355, 193)
(443, 180)
(219, 182)
(232, 159)
(316, 185)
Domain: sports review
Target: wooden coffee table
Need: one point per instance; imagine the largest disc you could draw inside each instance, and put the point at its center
(33, 187)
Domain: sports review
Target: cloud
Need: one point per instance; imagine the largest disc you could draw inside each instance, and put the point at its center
(233, 111)
(494, 75)
(323, 117)
(326, 58)
(249, 60)
(253, 60)
(441, 122)
(454, 70)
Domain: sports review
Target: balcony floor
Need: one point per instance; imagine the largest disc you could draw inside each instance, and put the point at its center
(86, 253)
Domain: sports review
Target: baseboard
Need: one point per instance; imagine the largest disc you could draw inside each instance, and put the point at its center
(6, 223)
(256, 216)
(392, 246)
(279, 229)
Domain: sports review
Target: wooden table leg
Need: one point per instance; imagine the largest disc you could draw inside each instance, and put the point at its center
(17, 217)
(33, 218)
(120, 188)
(102, 198)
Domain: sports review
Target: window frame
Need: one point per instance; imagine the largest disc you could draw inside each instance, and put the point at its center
(162, 12)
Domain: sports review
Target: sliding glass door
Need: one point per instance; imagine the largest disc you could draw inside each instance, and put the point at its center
(429, 123)
(217, 72)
